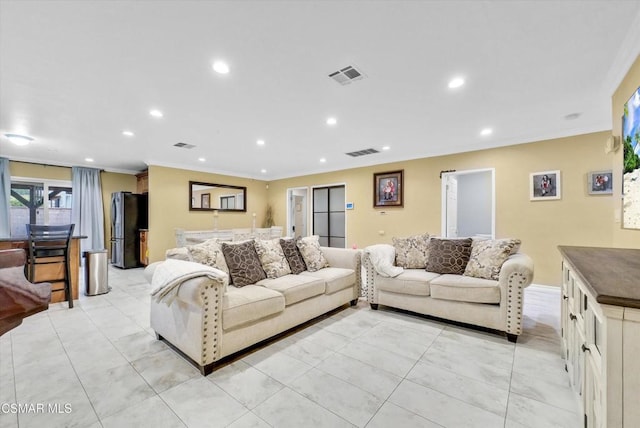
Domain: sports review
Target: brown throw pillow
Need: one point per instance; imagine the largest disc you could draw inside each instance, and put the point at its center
(449, 255)
(243, 262)
(291, 252)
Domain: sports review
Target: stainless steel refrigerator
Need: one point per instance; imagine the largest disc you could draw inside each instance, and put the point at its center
(129, 214)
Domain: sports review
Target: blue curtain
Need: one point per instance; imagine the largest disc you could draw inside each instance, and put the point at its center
(5, 195)
(87, 212)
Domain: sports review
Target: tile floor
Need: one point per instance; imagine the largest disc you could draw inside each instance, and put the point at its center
(99, 365)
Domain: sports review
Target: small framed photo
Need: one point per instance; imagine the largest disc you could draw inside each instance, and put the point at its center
(600, 182)
(205, 200)
(544, 186)
(388, 189)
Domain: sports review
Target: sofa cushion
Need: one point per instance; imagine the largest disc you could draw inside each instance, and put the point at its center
(292, 253)
(412, 281)
(309, 247)
(295, 288)
(335, 279)
(465, 289)
(207, 253)
(449, 255)
(412, 252)
(244, 264)
(272, 258)
(248, 304)
(487, 257)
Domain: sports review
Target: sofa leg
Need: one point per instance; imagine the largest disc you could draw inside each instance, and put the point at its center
(206, 370)
(374, 306)
(353, 302)
(513, 338)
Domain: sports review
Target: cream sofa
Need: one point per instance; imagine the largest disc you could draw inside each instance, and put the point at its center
(209, 320)
(494, 304)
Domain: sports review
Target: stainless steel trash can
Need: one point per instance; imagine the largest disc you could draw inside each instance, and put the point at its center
(95, 272)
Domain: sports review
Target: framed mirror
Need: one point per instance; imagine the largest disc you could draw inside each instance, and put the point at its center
(220, 197)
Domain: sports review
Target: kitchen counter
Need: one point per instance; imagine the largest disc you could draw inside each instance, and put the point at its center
(46, 272)
(612, 275)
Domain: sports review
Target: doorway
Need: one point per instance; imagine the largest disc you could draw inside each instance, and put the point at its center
(297, 212)
(329, 215)
(468, 203)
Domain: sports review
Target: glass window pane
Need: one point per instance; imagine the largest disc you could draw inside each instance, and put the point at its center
(336, 198)
(60, 200)
(321, 200)
(324, 241)
(336, 224)
(336, 242)
(320, 224)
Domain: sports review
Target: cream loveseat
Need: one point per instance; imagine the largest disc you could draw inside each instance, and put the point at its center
(206, 319)
(493, 298)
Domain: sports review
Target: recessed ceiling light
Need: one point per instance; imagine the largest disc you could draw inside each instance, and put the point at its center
(19, 140)
(260, 142)
(456, 82)
(572, 116)
(385, 148)
(155, 113)
(88, 159)
(323, 160)
(332, 121)
(486, 131)
(264, 171)
(202, 159)
(128, 133)
(221, 67)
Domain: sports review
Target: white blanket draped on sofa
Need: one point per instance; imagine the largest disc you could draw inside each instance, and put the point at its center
(168, 276)
(382, 258)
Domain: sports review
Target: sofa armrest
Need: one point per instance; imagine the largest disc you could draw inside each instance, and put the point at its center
(369, 274)
(345, 258)
(192, 322)
(515, 275)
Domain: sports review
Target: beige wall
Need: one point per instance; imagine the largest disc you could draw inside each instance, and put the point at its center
(576, 219)
(169, 206)
(624, 238)
(111, 182)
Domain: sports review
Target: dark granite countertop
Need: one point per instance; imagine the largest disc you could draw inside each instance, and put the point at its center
(612, 275)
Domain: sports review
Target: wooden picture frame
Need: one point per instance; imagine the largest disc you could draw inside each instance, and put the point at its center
(388, 189)
(205, 200)
(600, 182)
(545, 186)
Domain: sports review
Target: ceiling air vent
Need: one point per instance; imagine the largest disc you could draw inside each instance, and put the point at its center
(346, 75)
(184, 145)
(362, 152)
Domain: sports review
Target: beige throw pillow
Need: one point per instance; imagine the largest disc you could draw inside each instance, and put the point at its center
(309, 247)
(208, 253)
(412, 252)
(272, 257)
(488, 256)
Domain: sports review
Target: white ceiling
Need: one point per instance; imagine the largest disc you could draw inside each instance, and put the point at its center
(74, 75)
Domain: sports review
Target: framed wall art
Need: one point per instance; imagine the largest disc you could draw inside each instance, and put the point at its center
(631, 162)
(388, 189)
(544, 186)
(600, 182)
